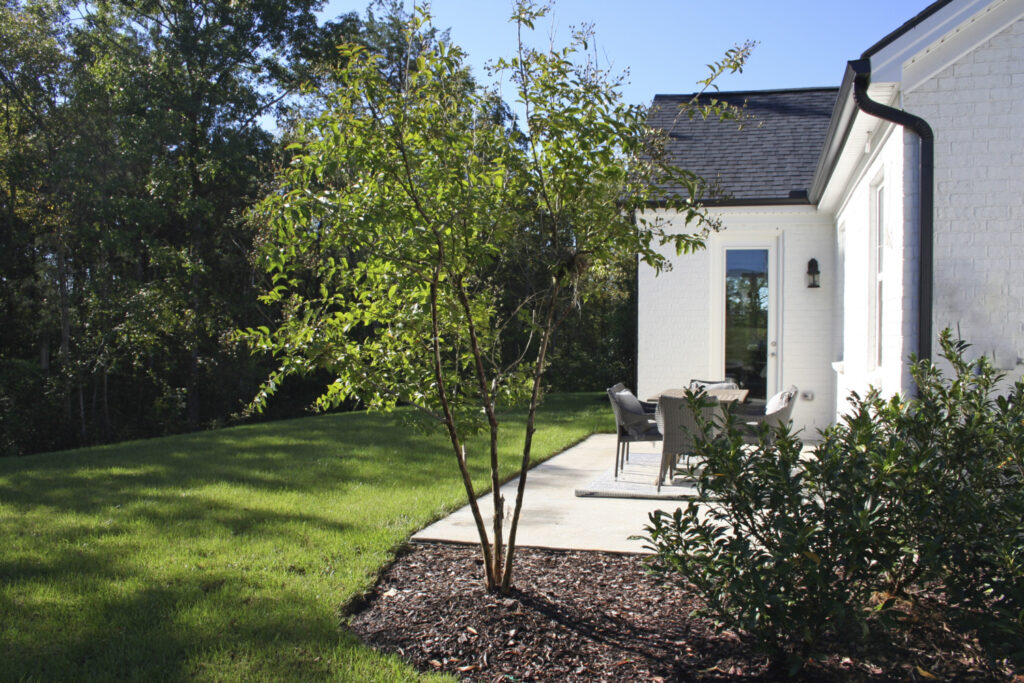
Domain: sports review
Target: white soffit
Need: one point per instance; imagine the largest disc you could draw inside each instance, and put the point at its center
(887, 63)
(961, 40)
(860, 147)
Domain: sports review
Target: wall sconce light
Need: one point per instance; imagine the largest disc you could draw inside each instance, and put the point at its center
(813, 274)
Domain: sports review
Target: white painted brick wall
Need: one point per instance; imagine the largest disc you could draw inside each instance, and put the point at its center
(806, 335)
(672, 322)
(885, 166)
(976, 109)
(676, 320)
(911, 253)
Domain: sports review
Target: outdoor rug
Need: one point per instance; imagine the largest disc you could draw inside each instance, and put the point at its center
(636, 480)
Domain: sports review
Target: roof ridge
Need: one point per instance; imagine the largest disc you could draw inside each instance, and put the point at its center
(770, 91)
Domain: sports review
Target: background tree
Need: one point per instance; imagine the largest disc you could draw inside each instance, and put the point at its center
(595, 347)
(424, 253)
(33, 84)
(134, 137)
(212, 70)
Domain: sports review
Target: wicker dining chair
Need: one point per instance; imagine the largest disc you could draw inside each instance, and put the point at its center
(632, 423)
(778, 411)
(677, 422)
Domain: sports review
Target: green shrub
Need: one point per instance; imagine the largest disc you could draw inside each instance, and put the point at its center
(899, 494)
(781, 548)
(969, 448)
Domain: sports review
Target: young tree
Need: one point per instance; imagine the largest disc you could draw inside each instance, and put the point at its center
(425, 253)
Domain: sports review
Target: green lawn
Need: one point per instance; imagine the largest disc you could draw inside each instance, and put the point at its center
(228, 554)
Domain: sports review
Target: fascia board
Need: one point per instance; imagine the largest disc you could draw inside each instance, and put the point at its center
(843, 114)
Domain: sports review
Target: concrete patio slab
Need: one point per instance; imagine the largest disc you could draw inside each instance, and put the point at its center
(552, 516)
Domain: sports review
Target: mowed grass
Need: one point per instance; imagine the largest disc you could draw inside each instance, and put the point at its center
(229, 554)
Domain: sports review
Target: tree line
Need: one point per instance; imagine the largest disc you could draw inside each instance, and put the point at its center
(134, 139)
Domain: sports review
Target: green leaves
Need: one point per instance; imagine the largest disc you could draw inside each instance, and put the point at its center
(468, 239)
(901, 495)
(400, 185)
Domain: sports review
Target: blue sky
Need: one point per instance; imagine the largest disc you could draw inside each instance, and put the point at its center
(666, 43)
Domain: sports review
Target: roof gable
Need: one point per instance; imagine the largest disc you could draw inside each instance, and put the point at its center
(905, 28)
(937, 26)
(770, 159)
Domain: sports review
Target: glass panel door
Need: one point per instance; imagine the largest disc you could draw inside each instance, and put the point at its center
(746, 319)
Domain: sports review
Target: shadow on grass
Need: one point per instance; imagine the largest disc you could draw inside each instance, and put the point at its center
(310, 455)
(213, 555)
(156, 633)
(75, 607)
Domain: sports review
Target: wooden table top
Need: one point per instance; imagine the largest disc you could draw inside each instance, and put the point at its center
(724, 395)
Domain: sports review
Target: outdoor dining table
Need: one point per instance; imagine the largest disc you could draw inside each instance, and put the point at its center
(723, 395)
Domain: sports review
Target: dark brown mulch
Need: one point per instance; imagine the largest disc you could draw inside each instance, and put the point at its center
(588, 616)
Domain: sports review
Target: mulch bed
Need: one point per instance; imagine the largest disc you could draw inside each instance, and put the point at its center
(589, 616)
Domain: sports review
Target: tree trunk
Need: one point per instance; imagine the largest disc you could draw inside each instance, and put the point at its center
(524, 466)
(82, 434)
(488, 403)
(107, 431)
(192, 387)
(65, 322)
(490, 578)
(194, 222)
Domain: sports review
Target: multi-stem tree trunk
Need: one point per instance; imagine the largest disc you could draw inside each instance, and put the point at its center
(538, 372)
(487, 399)
(490, 578)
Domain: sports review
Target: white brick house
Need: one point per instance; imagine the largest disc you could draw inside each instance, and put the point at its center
(836, 175)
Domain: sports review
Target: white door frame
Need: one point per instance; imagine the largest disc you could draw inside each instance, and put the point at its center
(772, 240)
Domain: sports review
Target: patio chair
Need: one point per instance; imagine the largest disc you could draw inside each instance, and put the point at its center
(632, 423)
(648, 406)
(678, 424)
(777, 412)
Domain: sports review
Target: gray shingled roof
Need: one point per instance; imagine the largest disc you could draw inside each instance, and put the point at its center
(772, 159)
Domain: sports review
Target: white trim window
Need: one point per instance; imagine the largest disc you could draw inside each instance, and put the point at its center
(877, 279)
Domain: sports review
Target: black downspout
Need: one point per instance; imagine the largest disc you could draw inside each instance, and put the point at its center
(861, 69)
